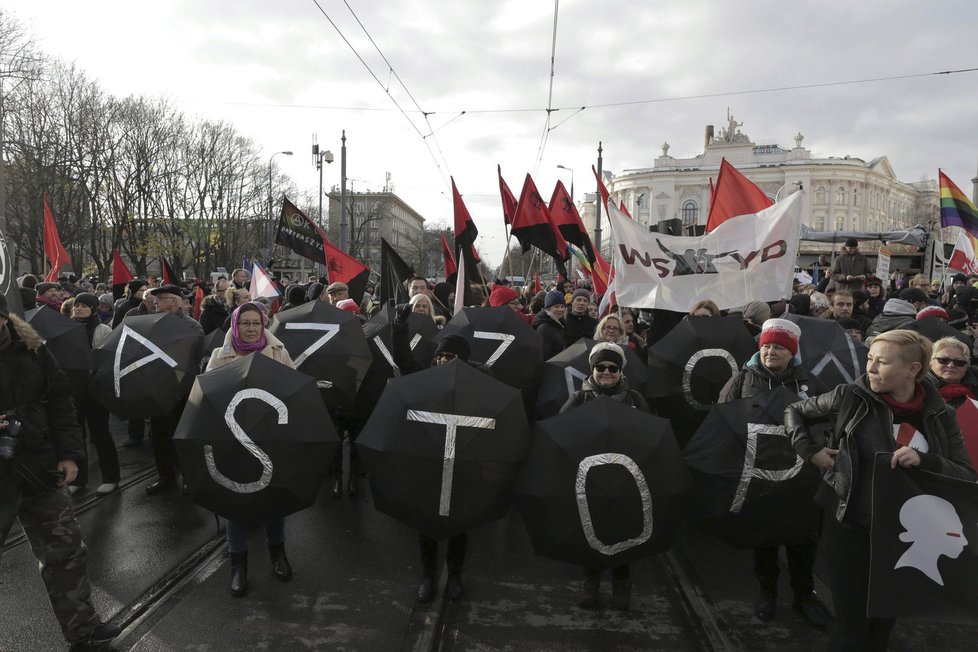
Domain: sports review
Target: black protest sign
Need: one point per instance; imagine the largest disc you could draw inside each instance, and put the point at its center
(924, 561)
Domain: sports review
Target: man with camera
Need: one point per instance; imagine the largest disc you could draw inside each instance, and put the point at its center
(40, 448)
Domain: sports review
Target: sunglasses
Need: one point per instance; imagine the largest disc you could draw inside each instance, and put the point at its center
(609, 368)
(957, 363)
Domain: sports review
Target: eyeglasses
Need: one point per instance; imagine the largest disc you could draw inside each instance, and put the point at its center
(610, 328)
(608, 368)
(249, 324)
(956, 362)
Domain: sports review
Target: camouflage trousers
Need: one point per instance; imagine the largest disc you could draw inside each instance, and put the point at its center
(55, 537)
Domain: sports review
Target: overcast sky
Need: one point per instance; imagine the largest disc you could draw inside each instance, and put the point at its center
(280, 72)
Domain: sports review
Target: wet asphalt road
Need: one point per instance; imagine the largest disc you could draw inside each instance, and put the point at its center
(159, 568)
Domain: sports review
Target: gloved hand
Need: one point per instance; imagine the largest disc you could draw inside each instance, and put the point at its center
(403, 311)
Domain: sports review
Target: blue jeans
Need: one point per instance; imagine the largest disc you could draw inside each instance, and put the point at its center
(238, 534)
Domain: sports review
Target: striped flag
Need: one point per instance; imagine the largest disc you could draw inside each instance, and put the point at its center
(956, 208)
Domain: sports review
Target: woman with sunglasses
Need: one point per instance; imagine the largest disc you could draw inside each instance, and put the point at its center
(950, 369)
(607, 362)
(776, 364)
(248, 334)
(890, 409)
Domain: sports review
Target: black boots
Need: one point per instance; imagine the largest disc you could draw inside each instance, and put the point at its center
(764, 609)
(426, 590)
(621, 593)
(338, 486)
(590, 591)
(454, 587)
(239, 574)
(351, 487)
(280, 563)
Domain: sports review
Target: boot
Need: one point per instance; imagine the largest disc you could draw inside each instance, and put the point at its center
(426, 590)
(454, 587)
(590, 591)
(765, 607)
(351, 487)
(621, 597)
(280, 563)
(337, 486)
(239, 574)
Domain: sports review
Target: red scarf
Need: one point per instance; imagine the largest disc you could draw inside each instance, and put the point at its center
(955, 390)
(913, 406)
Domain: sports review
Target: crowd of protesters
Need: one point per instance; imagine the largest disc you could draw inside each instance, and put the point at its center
(907, 378)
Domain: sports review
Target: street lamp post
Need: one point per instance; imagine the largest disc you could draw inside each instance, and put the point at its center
(564, 167)
(271, 223)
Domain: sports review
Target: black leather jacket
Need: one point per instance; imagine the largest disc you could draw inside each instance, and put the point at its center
(858, 412)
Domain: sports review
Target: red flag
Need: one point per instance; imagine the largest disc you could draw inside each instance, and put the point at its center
(509, 201)
(52, 244)
(621, 207)
(344, 268)
(537, 288)
(198, 301)
(169, 276)
(533, 226)
(120, 272)
(446, 253)
(564, 214)
(465, 234)
(734, 195)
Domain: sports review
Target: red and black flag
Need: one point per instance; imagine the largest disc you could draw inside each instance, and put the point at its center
(169, 276)
(465, 235)
(120, 275)
(568, 220)
(394, 272)
(446, 253)
(533, 226)
(53, 249)
(509, 201)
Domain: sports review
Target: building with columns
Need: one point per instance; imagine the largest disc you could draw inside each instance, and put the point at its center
(842, 192)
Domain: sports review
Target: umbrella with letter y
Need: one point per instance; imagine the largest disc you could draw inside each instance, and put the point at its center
(255, 440)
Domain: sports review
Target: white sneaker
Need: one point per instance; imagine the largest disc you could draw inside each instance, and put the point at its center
(107, 488)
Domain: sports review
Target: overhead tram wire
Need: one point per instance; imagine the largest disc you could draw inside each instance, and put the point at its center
(550, 93)
(381, 84)
(400, 81)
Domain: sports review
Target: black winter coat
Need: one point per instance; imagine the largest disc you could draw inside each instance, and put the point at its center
(754, 378)
(578, 326)
(620, 392)
(36, 390)
(552, 332)
(858, 412)
(213, 313)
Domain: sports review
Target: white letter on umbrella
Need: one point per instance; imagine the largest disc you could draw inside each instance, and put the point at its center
(331, 330)
(250, 446)
(585, 512)
(158, 354)
(505, 339)
(451, 423)
(750, 458)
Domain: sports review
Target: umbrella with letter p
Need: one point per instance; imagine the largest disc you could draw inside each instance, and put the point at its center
(255, 440)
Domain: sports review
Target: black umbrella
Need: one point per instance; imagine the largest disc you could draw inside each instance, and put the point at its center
(443, 448)
(147, 365)
(934, 329)
(605, 485)
(502, 341)
(328, 344)
(64, 338)
(255, 440)
(564, 373)
(827, 352)
(691, 364)
(756, 488)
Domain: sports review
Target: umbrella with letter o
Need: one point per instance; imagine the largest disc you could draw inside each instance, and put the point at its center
(255, 440)
(564, 374)
(328, 344)
(147, 365)
(605, 485)
(443, 448)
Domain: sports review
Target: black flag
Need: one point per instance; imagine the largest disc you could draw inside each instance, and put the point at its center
(393, 273)
(924, 562)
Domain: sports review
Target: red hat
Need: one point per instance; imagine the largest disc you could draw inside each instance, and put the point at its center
(501, 295)
(933, 311)
(348, 305)
(781, 331)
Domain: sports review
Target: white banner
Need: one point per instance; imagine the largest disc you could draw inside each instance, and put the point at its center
(883, 266)
(747, 258)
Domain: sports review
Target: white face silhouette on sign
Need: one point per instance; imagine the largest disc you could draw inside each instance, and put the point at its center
(934, 529)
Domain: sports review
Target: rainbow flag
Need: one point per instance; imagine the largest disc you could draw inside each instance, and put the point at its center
(956, 208)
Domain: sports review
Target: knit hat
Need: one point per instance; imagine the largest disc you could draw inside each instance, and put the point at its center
(959, 278)
(757, 312)
(41, 288)
(349, 305)
(852, 242)
(781, 331)
(581, 292)
(913, 294)
(929, 311)
(899, 307)
(957, 318)
(106, 299)
(134, 285)
(872, 280)
(456, 344)
(87, 299)
(607, 352)
(553, 298)
(849, 324)
(501, 295)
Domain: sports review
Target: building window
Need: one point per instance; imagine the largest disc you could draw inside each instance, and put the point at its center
(840, 196)
(690, 212)
(643, 200)
(820, 197)
(855, 197)
(840, 223)
(819, 223)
